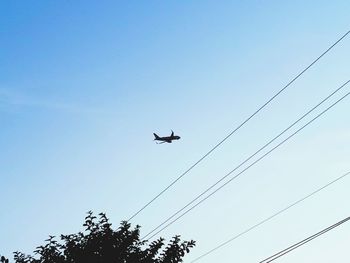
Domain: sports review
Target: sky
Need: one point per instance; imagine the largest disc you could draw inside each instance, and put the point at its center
(84, 84)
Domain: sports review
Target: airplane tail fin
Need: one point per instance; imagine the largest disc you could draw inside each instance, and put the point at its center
(156, 136)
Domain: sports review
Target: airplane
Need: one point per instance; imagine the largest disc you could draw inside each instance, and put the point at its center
(167, 139)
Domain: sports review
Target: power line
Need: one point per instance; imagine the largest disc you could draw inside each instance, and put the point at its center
(303, 242)
(263, 156)
(239, 126)
(245, 161)
(245, 169)
(270, 217)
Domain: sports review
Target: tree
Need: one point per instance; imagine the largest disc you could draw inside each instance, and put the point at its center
(4, 260)
(99, 243)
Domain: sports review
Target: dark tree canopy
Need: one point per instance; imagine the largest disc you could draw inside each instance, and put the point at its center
(99, 243)
(3, 259)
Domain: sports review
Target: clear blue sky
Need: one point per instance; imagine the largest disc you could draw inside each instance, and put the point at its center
(84, 84)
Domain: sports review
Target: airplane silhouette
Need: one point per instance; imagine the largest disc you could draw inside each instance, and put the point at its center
(167, 139)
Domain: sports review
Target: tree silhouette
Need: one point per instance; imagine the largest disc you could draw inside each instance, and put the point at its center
(4, 260)
(99, 243)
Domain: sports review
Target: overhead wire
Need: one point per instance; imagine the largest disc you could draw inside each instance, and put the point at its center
(245, 169)
(303, 242)
(238, 127)
(271, 217)
(249, 158)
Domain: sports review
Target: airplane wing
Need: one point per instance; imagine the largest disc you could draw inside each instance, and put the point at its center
(172, 133)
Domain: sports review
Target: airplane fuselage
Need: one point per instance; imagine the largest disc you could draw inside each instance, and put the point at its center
(169, 138)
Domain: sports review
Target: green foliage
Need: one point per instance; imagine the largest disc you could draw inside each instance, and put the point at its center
(99, 243)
